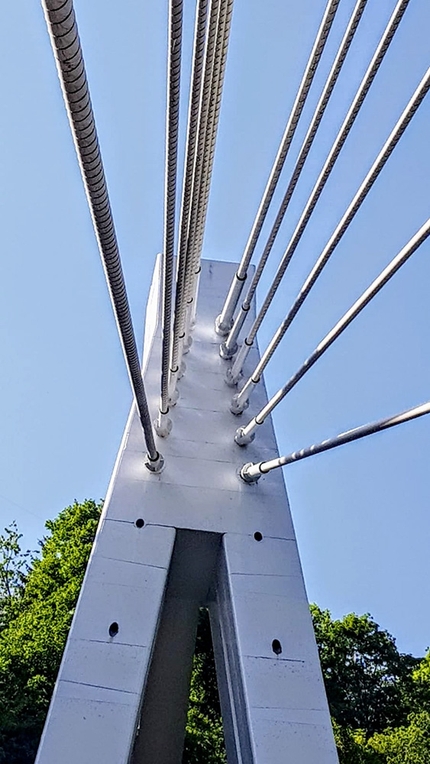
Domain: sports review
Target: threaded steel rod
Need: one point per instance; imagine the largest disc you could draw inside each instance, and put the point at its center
(190, 159)
(63, 31)
(187, 233)
(163, 424)
(220, 62)
(214, 68)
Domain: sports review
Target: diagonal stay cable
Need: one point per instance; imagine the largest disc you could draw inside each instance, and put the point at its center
(63, 31)
(245, 435)
(224, 26)
(225, 319)
(229, 347)
(317, 190)
(163, 424)
(252, 472)
(240, 401)
(198, 116)
(214, 68)
(190, 158)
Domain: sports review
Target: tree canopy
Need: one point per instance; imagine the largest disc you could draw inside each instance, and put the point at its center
(379, 698)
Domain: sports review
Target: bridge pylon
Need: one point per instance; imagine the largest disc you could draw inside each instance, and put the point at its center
(193, 536)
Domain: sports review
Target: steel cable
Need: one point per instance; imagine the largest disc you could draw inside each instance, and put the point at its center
(190, 158)
(240, 401)
(220, 62)
(246, 434)
(229, 347)
(343, 133)
(251, 473)
(163, 423)
(224, 320)
(214, 68)
(66, 45)
(188, 221)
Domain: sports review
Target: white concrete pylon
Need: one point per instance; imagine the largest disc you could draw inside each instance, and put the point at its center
(194, 535)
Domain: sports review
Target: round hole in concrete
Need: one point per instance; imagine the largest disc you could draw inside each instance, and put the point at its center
(140, 523)
(113, 629)
(276, 647)
(258, 536)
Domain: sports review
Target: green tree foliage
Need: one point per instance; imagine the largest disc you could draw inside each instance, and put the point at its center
(352, 747)
(204, 739)
(13, 570)
(369, 683)
(38, 598)
(379, 698)
(405, 745)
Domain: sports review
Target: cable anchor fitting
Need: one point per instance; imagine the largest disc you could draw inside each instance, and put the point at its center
(250, 472)
(154, 465)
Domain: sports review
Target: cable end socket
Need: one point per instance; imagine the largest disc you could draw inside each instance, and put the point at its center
(237, 406)
(154, 465)
(232, 379)
(173, 398)
(188, 341)
(163, 425)
(250, 473)
(222, 328)
(227, 353)
(241, 438)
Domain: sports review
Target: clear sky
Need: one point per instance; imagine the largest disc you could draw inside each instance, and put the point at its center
(361, 512)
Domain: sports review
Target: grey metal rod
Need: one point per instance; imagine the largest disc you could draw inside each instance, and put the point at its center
(316, 192)
(240, 401)
(251, 472)
(63, 31)
(163, 423)
(224, 320)
(229, 347)
(245, 434)
(190, 159)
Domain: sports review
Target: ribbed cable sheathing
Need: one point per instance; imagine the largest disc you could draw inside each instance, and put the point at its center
(65, 41)
(306, 82)
(214, 113)
(172, 132)
(332, 78)
(190, 158)
(220, 60)
(211, 67)
(330, 162)
(203, 115)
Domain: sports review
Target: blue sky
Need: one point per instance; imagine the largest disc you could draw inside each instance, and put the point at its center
(361, 512)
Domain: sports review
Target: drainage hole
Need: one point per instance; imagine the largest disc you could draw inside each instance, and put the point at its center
(258, 536)
(113, 629)
(139, 522)
(276, 647)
